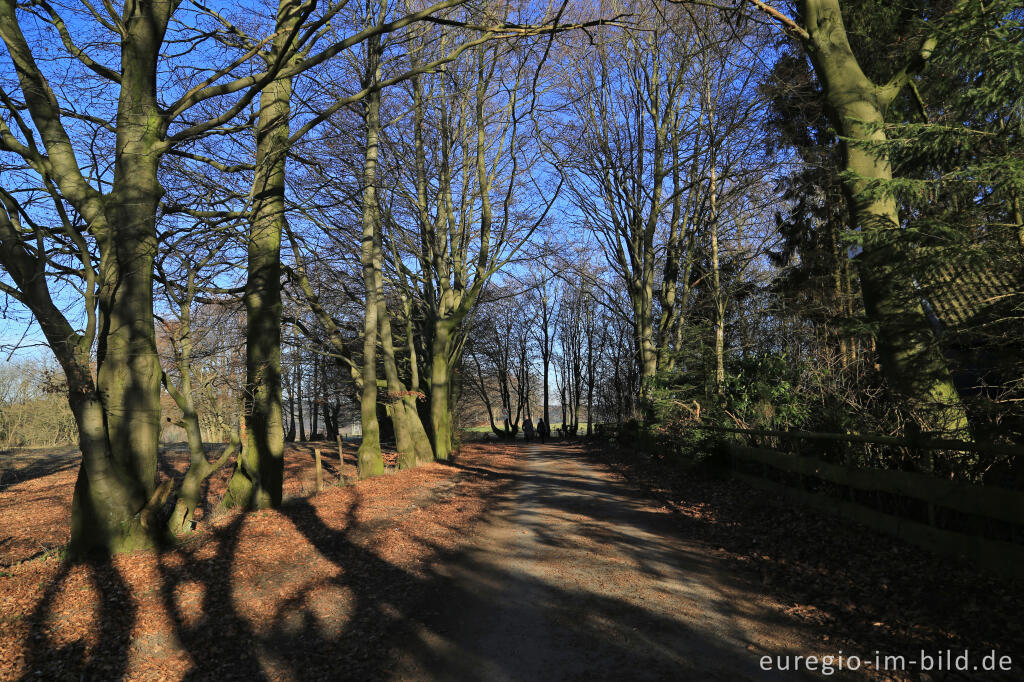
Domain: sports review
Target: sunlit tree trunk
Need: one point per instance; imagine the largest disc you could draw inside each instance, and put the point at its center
(441, 389)
(716, 286)
(299, 400)
(424, 449)
(410, 436)
(259, 472)
(369, 458)
(118, 413)
(908, 350)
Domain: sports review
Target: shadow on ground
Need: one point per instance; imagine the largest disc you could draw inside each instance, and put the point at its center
(26, 464)
(515, 602)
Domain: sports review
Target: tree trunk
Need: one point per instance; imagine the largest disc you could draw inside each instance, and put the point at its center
(545, 351)
(547, 412)
(298, 400)
(424, 450)
(108, 495)
(561, 399)
(590, 385)
(199, 469)
(290, 436)
(410, 436)
(259, 471)
(642, 307)
(369, 458)
(330, 430)
(716, 283)
(314, 420)
(440, 390)
(908, 350)
(119, 422)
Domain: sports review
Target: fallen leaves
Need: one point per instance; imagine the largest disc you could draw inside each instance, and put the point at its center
(312, 590)
(871, 592)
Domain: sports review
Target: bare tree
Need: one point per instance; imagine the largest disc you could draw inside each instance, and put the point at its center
(107, 215)
(468, 149)
(179, 382)
(627, 101)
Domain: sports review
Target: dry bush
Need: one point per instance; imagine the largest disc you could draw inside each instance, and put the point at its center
(34, 409)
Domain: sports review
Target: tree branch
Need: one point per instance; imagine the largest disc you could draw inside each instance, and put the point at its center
(57, 22)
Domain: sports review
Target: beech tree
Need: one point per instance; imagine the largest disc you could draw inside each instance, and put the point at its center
(627, 113)
(470, 162)
(107, 213)
(856, 107)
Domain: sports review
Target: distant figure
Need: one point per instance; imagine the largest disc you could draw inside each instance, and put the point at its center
(543, 430)
(528, 429)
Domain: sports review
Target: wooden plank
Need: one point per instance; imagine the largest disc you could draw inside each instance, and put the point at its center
(876, 439)
(1000, 557)
(988, 501)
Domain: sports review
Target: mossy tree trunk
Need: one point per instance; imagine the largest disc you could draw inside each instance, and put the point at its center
(112, 488)
(189, 494)
(118, 412)
(410, 436)
(408, 457)
(424, 449)
(395, 390)
(369, 458)
(115, 482)
(259, 472)
(910, 356)
(441, 389)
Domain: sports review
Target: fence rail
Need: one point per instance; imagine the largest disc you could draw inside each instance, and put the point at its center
(840, 488)
(925, 442)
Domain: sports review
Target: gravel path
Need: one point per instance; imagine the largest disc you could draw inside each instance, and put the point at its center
(576, 575)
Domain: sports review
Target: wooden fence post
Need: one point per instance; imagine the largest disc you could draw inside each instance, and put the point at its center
(319, 471)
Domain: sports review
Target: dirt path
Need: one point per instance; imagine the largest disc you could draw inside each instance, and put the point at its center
(576, 575)
(529, 563)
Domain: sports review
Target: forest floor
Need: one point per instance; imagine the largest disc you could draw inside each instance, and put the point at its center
(860, 591)
(514, 562)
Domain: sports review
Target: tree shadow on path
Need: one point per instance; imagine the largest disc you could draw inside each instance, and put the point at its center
(338, 609)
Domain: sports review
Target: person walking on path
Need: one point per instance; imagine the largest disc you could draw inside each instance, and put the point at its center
(543, 430)
(528, 429)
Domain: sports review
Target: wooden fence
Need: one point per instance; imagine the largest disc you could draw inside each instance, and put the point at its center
(983, 524)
